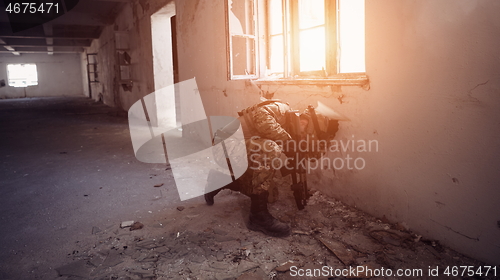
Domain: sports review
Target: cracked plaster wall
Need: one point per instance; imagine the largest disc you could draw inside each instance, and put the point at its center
(432, 107)
(58, 75)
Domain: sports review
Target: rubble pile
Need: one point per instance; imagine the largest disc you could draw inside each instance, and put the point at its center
(196, 241)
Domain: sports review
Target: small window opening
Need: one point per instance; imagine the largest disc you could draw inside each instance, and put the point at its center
(22, 75)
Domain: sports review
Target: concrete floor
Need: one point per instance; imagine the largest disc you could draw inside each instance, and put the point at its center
(69, 177)
(66, 166)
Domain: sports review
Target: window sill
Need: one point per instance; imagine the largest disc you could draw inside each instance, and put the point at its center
(337, 80)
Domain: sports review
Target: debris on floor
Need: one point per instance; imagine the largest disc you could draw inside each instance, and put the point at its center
(136, 226)
(126, 224)
(197, 241)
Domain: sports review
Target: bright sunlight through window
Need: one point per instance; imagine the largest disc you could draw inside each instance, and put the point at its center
(316, 38)
(22, 75)
(352, 36)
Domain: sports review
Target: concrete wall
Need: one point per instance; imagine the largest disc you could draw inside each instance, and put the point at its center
(106, 68)
(134, 22)
(432, 108)
(58, 75)
(85, 76)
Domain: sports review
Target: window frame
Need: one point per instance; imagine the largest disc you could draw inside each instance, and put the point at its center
(229, 44)
(291, 43)
(25, 77)
(330, 75)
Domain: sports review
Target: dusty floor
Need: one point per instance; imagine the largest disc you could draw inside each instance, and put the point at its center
(69, 178)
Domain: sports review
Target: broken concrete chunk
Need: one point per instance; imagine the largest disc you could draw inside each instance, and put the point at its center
(162, 249)
(220, 255)
(194, 268)
(301, 232)
(267, 267)
(148, 258)
(112, 259)
(136, 226)
(339, 250)
(219, 265)
(127, 224)
(147, 244)
(180, 208)
(198, 258)
(246, 265)
(285, 266)
(307, 251)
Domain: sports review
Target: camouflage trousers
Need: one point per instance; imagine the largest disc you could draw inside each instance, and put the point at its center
(259, 176)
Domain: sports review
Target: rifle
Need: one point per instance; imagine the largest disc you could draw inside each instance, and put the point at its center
(298, 172)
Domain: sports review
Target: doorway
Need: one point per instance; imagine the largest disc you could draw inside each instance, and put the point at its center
(165, 67)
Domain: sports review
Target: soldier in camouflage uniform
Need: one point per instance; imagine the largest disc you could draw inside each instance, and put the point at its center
(262, 125)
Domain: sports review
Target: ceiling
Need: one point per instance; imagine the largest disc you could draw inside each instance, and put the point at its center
(69, 33)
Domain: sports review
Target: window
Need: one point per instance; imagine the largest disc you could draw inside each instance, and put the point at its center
(241, 38)
(295, 39)
(22, 75)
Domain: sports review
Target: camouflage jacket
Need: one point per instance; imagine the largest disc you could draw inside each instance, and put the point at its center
(266, 120)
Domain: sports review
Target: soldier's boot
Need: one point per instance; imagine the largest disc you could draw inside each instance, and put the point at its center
(209, 197)
(262, 220)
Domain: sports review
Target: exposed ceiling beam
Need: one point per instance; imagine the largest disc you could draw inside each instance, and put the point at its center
(42, 46)
(39, 48)
(72, 18)
(40, 52)
(8, 47)
(47, 29)
(53, 37)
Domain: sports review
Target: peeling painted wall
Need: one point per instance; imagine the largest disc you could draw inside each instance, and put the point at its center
(58, 75)
(433, 107)
(202, 55)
